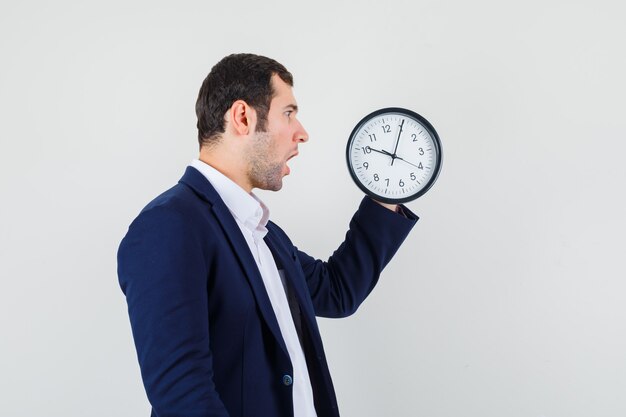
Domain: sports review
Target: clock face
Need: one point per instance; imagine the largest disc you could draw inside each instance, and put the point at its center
(394, 155)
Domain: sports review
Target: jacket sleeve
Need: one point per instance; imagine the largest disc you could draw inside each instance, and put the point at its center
(162, 271)
(338, 286)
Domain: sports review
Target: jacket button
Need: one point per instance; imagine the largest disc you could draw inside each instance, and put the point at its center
(287, 380)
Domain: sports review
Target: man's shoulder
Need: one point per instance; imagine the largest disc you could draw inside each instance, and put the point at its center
(178, 198)
(179, 204)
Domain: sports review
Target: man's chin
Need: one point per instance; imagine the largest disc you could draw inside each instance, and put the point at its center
(271, 185)
(277, 185)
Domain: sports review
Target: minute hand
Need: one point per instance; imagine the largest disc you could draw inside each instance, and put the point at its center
(393, 156)
(402, 159)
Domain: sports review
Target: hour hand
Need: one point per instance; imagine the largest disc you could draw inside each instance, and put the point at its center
(380, 151)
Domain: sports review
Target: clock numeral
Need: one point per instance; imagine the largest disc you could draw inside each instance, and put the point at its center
(421, 151)
(376, 178)
(413, 177)
(414, 137)
(386, 129)
(366, 150)
(420, 166)
(387, 179)
(366, 165)
(401, 183)
(372, 137)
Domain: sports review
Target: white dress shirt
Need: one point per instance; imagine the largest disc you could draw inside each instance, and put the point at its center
(252, 216)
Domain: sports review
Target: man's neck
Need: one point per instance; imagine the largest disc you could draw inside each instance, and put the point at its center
(225, 163)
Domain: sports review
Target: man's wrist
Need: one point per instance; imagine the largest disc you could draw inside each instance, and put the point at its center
(392, 207)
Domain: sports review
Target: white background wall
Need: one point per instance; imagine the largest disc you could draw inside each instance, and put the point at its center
(508, 298)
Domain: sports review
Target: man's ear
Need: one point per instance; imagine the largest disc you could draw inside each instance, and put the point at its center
(242, 118)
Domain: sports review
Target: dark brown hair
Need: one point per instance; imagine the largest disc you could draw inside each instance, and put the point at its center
(244, 77)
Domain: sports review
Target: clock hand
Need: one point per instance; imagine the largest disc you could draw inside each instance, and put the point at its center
(402, 159)
(393, 156)
(381, 151)
(375, 150)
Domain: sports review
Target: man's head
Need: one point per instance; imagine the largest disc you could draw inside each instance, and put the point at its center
(247, 125)
(244, 77)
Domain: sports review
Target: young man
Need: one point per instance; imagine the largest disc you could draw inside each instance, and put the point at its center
(222, 305)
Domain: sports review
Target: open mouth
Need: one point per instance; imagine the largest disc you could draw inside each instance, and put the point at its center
(288, 159)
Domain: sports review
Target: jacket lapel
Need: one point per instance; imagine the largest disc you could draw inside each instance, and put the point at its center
(194, 179)
(286, 258)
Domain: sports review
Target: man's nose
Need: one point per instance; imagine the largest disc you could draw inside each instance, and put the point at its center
(302, 135)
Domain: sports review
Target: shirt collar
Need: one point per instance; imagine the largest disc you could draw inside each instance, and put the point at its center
(247, 208)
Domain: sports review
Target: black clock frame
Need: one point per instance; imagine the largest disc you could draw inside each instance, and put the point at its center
(438, 151)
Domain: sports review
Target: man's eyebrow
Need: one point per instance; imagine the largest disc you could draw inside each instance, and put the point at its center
(293, 107)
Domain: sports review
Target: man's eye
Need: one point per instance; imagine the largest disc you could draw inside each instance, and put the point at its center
(288, 113)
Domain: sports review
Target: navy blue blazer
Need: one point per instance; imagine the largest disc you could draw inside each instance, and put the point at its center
(207, 339)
